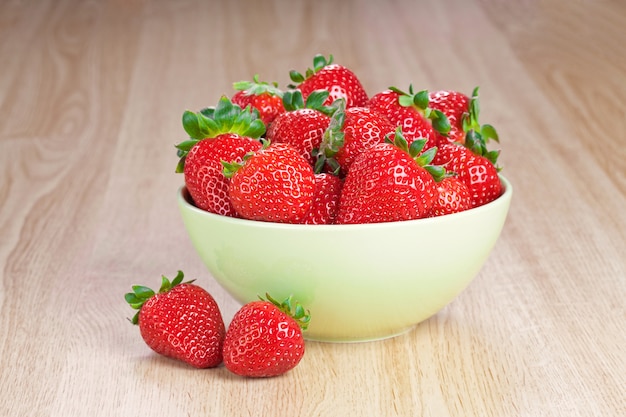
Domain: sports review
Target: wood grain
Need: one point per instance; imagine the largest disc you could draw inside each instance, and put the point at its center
(91, 95)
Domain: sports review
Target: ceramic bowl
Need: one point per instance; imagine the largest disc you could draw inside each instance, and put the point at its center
(359, 282)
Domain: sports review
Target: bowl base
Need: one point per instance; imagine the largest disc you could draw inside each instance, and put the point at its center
(363, 339)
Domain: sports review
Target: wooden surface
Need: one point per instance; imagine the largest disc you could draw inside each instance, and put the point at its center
(91, 95)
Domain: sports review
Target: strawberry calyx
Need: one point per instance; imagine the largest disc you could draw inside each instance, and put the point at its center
(416, 151)
(476, 135)
(210, 122)
(141, 294)
(293, 100)
(319, 62)
(419, 101)
(230, 168)
(256, 87)
(332, 140)
(292, 309)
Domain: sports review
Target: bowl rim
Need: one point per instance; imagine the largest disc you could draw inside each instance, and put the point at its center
(183, 194)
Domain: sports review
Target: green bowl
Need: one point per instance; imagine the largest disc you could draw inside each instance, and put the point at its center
(360, 282)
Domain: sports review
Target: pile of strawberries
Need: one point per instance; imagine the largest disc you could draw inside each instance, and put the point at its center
(319, 152)
(322, 151)
(183, 321)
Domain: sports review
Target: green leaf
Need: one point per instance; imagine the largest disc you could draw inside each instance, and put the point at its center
(135, 319)
(256, 129)
(178, 279)
(296, 77)
(192, 125)
(416, 147)
(488, 132)
(316, 99)
(180, 166)
(421, 99)
(242, 85)
(319, 62)
(405, 101)
(165, 284)
(440, 122)
(225, 112)
(427, 156)
(186, 145)
(131, 298)
(143, 292)
(208, 112)
(292, 100)
(208, 126)
(230, 168)
(437, 171)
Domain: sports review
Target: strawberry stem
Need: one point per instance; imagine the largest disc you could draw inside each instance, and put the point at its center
(416, 151)
(256, 87)
(141, 294)
(292, 309)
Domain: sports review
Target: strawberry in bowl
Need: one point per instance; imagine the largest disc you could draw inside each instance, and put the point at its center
(374, 212)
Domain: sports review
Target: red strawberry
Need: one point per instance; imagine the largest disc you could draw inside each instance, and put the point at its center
(477, 172)
(410, 111)
(350, 132)
(264, 338)
(204, 176)
(181, 321)
(462, 112)
(325, 199)
(275, 184)
(338, 80)
(453, 197)
(303, 124)
(454, 105)
(481, 177)
(265, 98)
(222, 133)
(389, 182)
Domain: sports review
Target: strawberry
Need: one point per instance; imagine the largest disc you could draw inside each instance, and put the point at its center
(462, 112)
(351, 131)
(452, 197)
(275, 184)
(325, 199)
(478, 173)
(181, 321)
(411, 112)
(264, 97)
(481, 177)
(303, 124)
(223, 133)
(204, 176)
(264, 338)
(338, 80)
(389, 182)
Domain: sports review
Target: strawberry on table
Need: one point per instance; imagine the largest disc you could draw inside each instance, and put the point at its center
(303, 124)
(411, 112)
(181, 321)
(225, 132)
(350, 132)
(274, 184)
(264, 338)
(390, 182)
(338, 80)
(266, 98)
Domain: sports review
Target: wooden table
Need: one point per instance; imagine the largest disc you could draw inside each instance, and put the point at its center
(91, 96)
